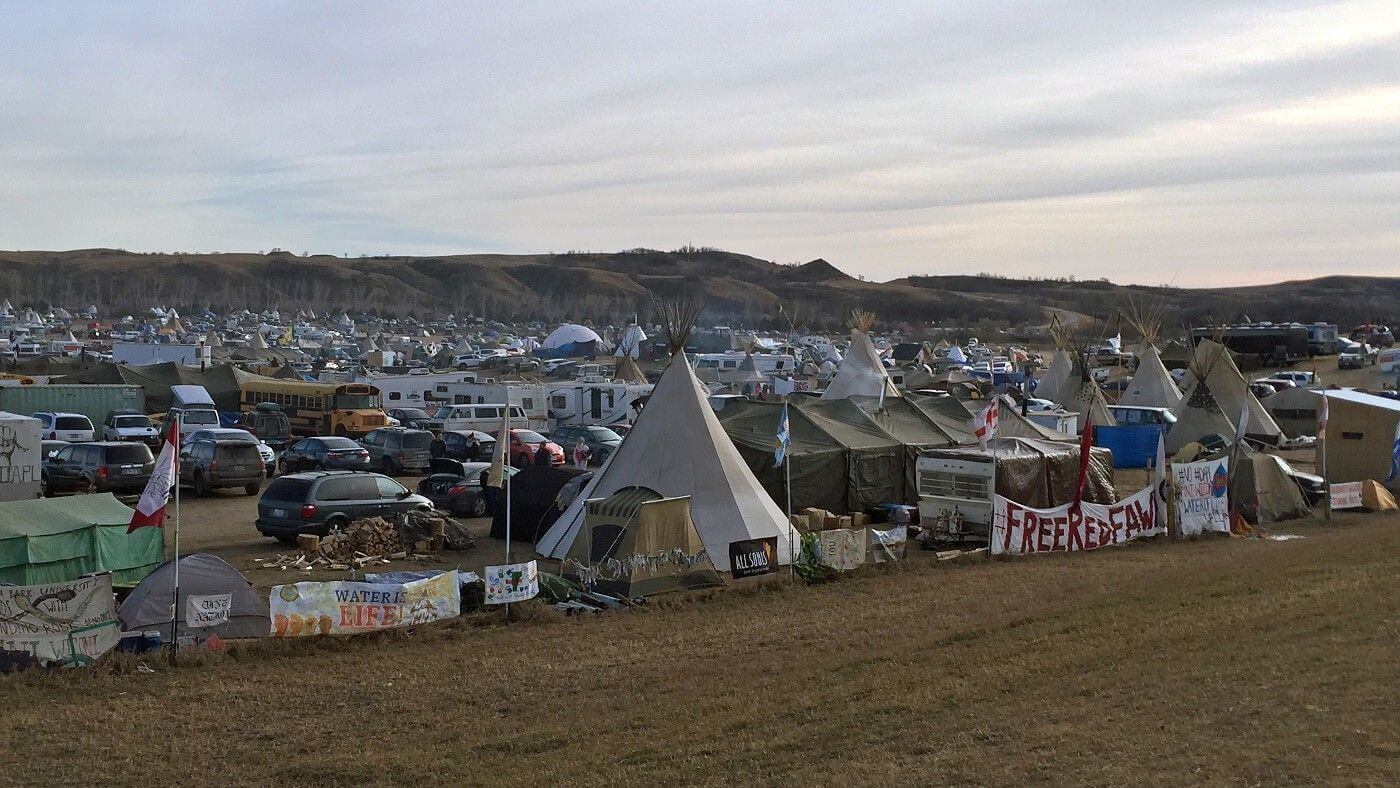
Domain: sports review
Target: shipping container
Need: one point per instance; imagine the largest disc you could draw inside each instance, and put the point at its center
(91, 400)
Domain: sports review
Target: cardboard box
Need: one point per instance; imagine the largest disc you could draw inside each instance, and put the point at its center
(860, 519)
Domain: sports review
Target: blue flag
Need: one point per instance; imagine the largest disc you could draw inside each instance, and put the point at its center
(784, 439)
(1394, 457)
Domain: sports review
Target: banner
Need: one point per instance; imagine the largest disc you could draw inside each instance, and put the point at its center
(1021, 530)
(753, 557)
(887, 545)
(207, 610)
(1202, 499)
(842, 549)
(347, 608)
(512, 583)
(1346, 495)
(70, 623)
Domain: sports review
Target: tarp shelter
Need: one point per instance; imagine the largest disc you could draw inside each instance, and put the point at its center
(636, 544)
(201, 574)
(678, 448)
(1360, 437)
(534, 501)
(53, 540)
(1042, 474)
(222, 381)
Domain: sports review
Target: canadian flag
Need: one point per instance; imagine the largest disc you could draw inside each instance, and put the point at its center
(150, 510)
(984, 424)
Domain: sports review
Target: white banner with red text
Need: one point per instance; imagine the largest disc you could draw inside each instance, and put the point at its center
(1021, 530)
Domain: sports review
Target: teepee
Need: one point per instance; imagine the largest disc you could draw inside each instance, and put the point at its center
(1053, 384)
(1198, 414)
(1232, 392)
(1087, 400)
(1152, 385)
(678, 448)
(628, 372)
(862, 373)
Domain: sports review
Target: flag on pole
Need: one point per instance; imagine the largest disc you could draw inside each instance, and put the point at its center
(984, 424)
(150, 510)
(1322, 419)
(1159, 476)
(501, 455)
(784, 439)
(1394, 457)
(1086, 442)
(1243, 423)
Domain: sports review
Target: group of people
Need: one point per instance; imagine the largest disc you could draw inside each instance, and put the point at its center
(581, 453)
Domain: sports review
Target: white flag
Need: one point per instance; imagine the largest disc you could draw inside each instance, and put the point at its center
(150, 510)
(501, 456)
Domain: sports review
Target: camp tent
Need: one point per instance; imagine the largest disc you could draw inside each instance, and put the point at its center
(1199, 414)
(628, 372)
(1294, 410)
(52, 540)
(1260, 489)
(862, 373)
(1152, 385)
(635, 544)
(1230, 390)
(1057, 377)
(678, 448)
(1088, 401)
(534, 500)
(201, 575)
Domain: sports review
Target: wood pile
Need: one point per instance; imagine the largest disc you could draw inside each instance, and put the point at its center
(369, 536)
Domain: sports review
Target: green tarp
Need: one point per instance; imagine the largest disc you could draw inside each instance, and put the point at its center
(52, 540)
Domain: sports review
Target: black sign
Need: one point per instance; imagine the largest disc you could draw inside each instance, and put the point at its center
(753, 557)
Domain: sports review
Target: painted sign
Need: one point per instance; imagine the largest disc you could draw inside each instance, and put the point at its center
(1346, 495)
(1202, 496)
(347, 608)
(512, 583)
(70, 623)
(842, 549)
(207, 610)
(753, 557)
(1021, 530)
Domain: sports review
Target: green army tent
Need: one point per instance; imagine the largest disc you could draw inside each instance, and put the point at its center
(52, 540)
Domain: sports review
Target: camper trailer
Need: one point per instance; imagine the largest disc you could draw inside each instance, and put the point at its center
(412, 391)
(548, 405)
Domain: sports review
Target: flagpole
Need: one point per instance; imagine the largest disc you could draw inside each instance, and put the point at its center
(1322, 449)
(175, 598)
(787, 474)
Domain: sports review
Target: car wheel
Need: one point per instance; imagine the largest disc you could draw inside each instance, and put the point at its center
(340, 430)
(331, 524)
(319, 466)
(252, 488)
(478, 507)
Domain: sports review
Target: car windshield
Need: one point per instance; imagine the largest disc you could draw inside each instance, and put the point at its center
(72, 423)
(357, 401)
(417, 440)
(199, 417)
(603, 434)
(529, 436)
(339, 443)
(133, 421)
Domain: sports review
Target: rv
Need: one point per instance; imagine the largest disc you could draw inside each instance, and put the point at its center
(548, 405)
(412, 391)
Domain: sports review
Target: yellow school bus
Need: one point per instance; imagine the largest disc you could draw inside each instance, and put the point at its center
(349, 409)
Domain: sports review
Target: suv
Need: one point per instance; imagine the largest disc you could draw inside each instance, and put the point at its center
(1138, 415)
(601, 441)
(234, 435)
(399, 449)
(1297, 378)
(109, 466)
(319, 501)
(211, 463)
(71, 427)
(130, 425)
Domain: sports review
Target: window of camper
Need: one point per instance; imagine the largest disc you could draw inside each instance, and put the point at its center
(528, 403)
(1353, 436)
(394, 396)
(558, 402)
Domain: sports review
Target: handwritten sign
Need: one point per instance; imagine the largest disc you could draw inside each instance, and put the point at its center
(1202, 496)
(347, 608)
(512, 583)
(1346, 495)
(70, 623)
(207, 610)
(1021, 530)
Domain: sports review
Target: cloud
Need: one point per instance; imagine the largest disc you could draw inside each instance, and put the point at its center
(1245, 143)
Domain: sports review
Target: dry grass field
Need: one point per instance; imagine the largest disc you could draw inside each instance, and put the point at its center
(1225, 660)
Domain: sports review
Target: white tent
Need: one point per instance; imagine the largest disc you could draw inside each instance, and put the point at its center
(632, 339)
(677, 448)
(1232, 393)
(862, 374)
(571, 333)
(1089, 403)
(1152, 385)
(1054, 384)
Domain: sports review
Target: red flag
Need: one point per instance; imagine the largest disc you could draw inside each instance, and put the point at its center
(984, 424)
(150, 510)
(1086, 441)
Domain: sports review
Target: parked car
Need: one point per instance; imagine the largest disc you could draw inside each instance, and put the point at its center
(1138, 414)
(1313, 487)
(214, 463)
(1262, 390)
(398, 449)
(1277, 384)
(525, 444)
(456, 445)
(108, 466)
(269, 424)
(232, 434)
(623, 429)
(1299, 378)
(130, 425)
(319, 501)
(601, 441)
(417, 418)
(71, 427)
(455, 487)
(326, 452)
(49, 448)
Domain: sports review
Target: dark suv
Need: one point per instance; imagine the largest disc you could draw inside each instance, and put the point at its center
(208, 465)
(99, 467)
(316, 502)
(398, 449)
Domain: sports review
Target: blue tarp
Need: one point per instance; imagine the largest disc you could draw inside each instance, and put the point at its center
(1133, 445)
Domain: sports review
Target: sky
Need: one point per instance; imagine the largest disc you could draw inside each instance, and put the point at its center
(1170, 142)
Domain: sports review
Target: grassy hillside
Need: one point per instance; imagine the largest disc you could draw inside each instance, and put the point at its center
(607, 286)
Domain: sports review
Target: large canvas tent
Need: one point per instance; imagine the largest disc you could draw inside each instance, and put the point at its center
(640, 544)
(862, 372)
(52, 540)
(1041, 474)
(1152, 385)
(1229, 389)
(678, 448)
(201, 574)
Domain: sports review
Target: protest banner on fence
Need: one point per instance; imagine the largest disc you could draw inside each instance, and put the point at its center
(753, 557)
(1020, 530)
(886, 545)
(1202, 496)
(347, 608)
(1346, 495)
(842, 549)
(512, 583)
(71, 623)
(207, 610)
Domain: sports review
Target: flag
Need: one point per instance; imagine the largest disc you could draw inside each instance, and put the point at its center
(1243, 423)
(784, 439)
(1394, 457)
(501, 456)
(1322, 419)
(1086, 442)
(1116, 342)
(150, 510)
(984, 424)
(1159, 476)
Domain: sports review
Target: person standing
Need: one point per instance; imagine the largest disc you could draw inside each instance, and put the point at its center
(581, 454)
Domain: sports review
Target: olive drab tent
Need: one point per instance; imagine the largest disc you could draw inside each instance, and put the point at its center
(678, 448)
(635, 543)
(201, 576)
(1152, 385)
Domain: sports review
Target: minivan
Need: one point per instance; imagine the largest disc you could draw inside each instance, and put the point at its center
(399, 449)
(1138, 415)
(481, 417)
(210, 464)
(318, 501)
(71, 427)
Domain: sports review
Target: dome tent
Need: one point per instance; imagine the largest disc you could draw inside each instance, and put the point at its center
(201, 574)
(571, 339)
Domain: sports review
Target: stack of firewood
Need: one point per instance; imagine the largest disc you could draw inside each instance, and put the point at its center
(370, 536)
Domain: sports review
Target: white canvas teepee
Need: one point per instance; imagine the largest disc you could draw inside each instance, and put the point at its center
(1152, 385)
(1231, 391)
(1198, 414)
(862, 373)
(676, 448)
(1088, 402)
(1055, 383)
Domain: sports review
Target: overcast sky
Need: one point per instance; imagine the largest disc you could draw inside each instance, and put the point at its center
(1157, 142)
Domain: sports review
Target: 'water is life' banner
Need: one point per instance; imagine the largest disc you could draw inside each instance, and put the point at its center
(1021, 530)
(71, 623)
(1202, 496)
(347, 608)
